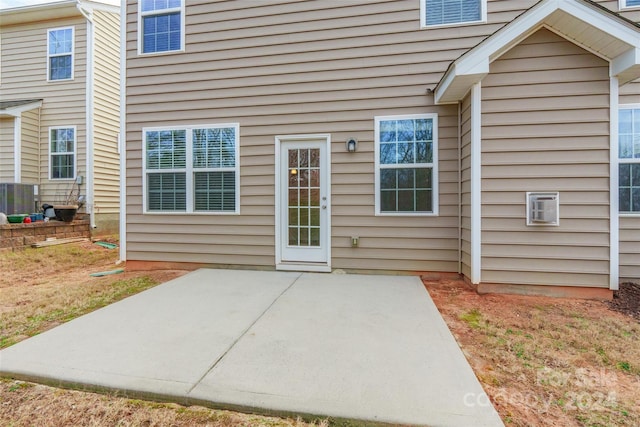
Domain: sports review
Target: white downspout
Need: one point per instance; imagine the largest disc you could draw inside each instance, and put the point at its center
(89, 114)
(17, 148)
(122, 136)
(459, 188)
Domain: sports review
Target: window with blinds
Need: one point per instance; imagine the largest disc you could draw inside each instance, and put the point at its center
(447, 12)
(192, 169)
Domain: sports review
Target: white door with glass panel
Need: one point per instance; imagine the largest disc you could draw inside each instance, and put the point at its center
(303, 201)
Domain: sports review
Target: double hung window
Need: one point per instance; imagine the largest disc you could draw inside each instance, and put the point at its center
(629, 160)
(62, 152)
(406, 178)
(60, 54)
(192, 169)
(161, 26)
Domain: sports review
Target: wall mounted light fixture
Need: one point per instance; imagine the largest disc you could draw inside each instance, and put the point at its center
(352, 145)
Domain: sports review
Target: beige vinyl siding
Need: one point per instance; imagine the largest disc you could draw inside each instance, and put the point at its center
(545, 112)
(30, 144)
(298, 68)
(465, 186)
(24, 75)
(7, 147)
(630, 225)
(630, 247)
(106, 113)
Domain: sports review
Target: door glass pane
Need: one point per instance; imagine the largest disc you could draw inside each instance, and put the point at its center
(304, 197)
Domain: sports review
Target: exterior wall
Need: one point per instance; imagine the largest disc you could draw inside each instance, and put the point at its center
(7, 171)
(24, 75)
(31, 146)
(106, 120)
(545, 115)
(465, 186)
(331, 67)
(339, 68)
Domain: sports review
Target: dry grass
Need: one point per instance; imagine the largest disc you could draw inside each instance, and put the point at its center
(546, 361)
(42, 288)
(26, 404)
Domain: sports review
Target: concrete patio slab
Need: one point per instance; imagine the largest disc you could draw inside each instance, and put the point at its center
(370, 348)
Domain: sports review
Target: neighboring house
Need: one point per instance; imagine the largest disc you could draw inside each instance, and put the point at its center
(59, 103)
(496, 139)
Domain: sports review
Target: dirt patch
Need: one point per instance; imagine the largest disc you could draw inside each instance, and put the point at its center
(626, 300)
(547, 361)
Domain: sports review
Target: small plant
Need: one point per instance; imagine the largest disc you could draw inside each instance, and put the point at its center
(472, 318)
(624, 366)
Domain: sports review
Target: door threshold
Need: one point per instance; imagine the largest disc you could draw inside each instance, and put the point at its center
(303, 266)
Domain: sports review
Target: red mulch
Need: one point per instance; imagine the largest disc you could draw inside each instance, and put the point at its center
(626, 300)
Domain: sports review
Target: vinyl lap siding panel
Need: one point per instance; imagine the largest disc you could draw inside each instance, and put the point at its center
(106, 113)
(630, 248)
(24, 75)
(545, 113)
(7, 147)
(30, 144)
(465, 186)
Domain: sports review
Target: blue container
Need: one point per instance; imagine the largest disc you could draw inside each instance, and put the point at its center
(36, 217)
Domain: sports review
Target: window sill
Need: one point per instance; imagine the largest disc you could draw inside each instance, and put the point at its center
(404, 214)
(454, 24)
(183, 213)
(164, 52)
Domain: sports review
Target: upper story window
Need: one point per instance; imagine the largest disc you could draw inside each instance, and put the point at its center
(60, 54)
(627, 4)
(450, 12)
(192, 169)
(629, 159)
(161, 26)
(406, 160)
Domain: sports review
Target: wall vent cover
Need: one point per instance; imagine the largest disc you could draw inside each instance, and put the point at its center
(543, 208)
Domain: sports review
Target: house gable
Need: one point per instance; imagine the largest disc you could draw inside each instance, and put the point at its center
(590, 26)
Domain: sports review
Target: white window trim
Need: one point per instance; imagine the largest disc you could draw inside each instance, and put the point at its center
(622, 5)
(75, 153)
(620, 161)
(423, 17)
(142, 14)
(189, 169)
(434, 165)
(73, 53)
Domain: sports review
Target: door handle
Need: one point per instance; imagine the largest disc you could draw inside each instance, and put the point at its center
(324, 206)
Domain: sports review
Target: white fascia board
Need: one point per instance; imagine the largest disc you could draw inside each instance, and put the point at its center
(111, 7)
(456, 83)
(17, 111)
(626, 65)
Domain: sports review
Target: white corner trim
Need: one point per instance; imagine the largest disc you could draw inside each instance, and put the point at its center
(614, 219)
(476, 184)
(17, 149)
(123, 134)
